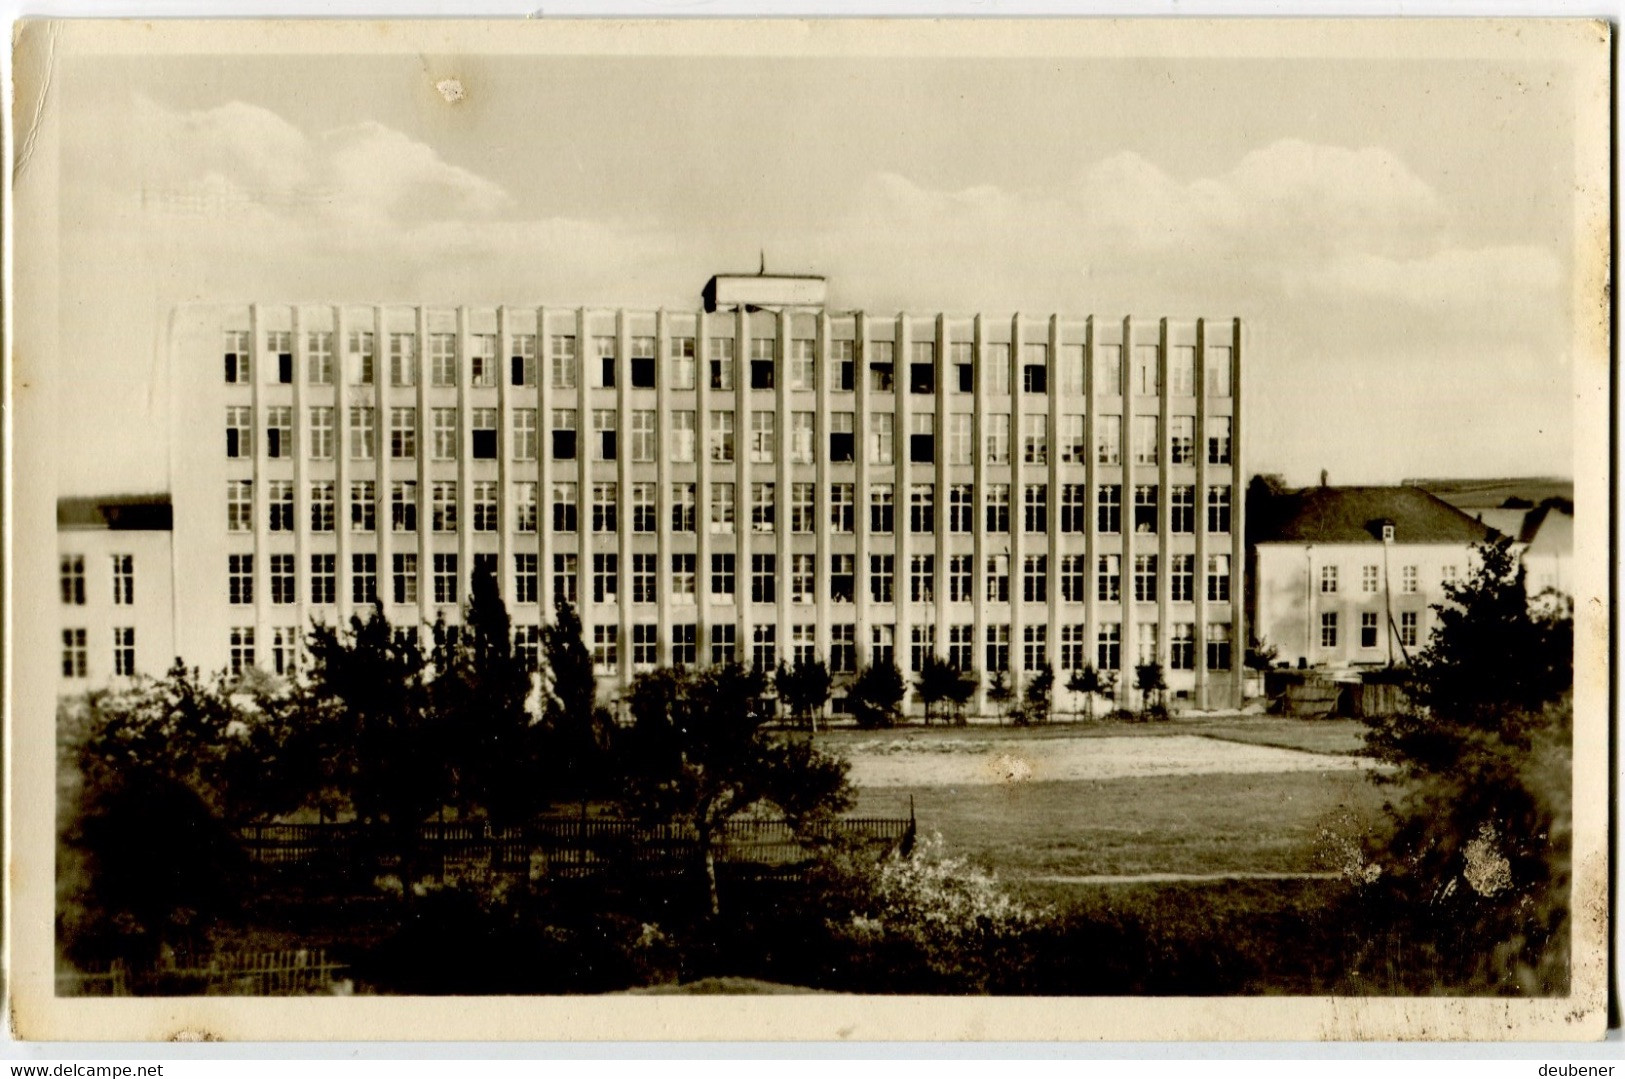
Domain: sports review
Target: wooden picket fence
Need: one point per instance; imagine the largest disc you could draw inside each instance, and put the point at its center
(283, 972)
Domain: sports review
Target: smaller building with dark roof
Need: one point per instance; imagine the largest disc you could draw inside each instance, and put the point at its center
(1347, 576)
(116, 588)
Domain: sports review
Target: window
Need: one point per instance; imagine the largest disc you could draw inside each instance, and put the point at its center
(1182, 508)
(1218, 578)
(721, 355)
(842, 577)
(402, 359)
(881, 507)
(997, 507)
(922, 508)
(1145, 440)
(604, 657)
(1182, 646)
(1072, 578)
(279, 503)
(724, 643)
(680, 368)
(645, 646)
(1074, 507)
(321, 432)
(922, 578)
(922, 368)
(682, 436)
(682, 578)
(319, 357)
(998, 369)
(363, 433)
(998, 646)
(882, 570)
(524, 434)
(1368, 629)
(801, 507)
(239, 431)
(483, 433)
(722, 577)
(803, 367)
(1145, 370)
(1368, 579)
(1035, 508)
(1145, 578)
(1035, 367)
(1182, 370)
(1328, 629)
(842, 505)
(1109, 508)
(403, 433)
(603, 347)
(527, 645)
(606, 573)
(124, 651)
(1109, 578)
(644, 441)
(803, 576)
(1109, 370)
(843, 651)
(722, 508)
(1407, 579)
(364, 578)
(881, 356)
(644, 573)
(238, 365)
(239, 506)
(922, 441)
(1218, 440)
(1072, 447)
(840, 437)
(1408, 628)
(722, 436)
(997, 428)
(360, 357)
(283, 576)
(1034, 647)
(363, 505)
(603, 425)
(1182, 440)
(565, 498)
(242, 648)
(763, 498)
(323, 579)
(1218, 371)
(1108, 646)
(764, 571)
(1109, 440)
(1146, 652)
(240, 578)
(562, 362)
(566, 572)
(605, 497)
(279, 431)
(73, 580)
(643, 507)
(1218, 509)
(961, 647)
(922, 643)
(761, 363)
(1328, 579)
(643, 363)
(961, 507)
(1218, 646)
(1035, 439)
(801, 438)
(961, 440)
(882, 645)
(1181, 577)
(322, 506)
(803, 644)
(485, 565)
(443, 360)
(403, 506)
(682, 507)
(764, 650)
(1145, 507)
(279, 343)
(880, 438)
(564, 434)
(1447, 575)
(762, 437)
(998, 578)
(443, 506)
(959, 578)
(406, 577)
(1035, 578)
(840, 354)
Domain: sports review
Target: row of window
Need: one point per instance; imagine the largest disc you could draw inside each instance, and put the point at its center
(1074, 583)
(881, 364)
(1409, 578)
(73, 579)
(76, 652)
(604, 507)
(1408, 629)
(643, 444)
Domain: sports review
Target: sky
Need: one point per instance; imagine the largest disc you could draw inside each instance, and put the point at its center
(1398, 235)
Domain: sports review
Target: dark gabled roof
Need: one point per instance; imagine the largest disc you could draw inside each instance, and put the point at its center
(117, 513)
(1357, 514)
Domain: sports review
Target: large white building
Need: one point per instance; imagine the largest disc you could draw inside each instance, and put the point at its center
(760, 478)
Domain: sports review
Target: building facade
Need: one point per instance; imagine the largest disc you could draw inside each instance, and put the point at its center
(1347, 576)
(116, 589)
(759, 479)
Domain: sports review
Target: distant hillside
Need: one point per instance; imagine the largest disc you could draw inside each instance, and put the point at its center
(1482, 494)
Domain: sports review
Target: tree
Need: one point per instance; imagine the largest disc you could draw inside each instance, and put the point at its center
(999, 692)
(876, 694)
(698, 755)
(576, 731)
(1085, 680)
(1148, 680)
(960, 692)
(804, 688)
(1475, 857)
(937, 682)
(1037, 696)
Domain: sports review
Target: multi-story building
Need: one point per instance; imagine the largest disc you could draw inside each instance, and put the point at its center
(117, 595)
(1348, 576)
(761, 479)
